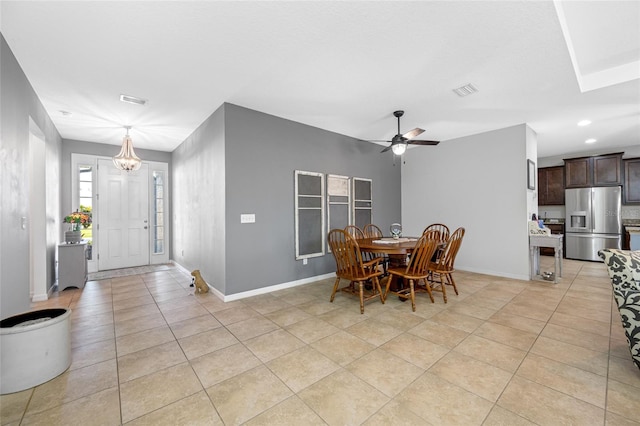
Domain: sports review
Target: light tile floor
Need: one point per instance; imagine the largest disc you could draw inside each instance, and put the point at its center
(146, 350)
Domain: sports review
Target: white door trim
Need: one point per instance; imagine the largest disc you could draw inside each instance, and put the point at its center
(88, 159)
(37, 214)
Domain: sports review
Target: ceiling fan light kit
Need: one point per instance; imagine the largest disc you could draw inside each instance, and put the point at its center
(400, 142)
(399, 148)
(127, 159)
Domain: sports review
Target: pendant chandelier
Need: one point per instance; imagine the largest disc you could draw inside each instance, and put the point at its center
(127, 160)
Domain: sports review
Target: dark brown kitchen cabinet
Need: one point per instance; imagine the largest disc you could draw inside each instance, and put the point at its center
(607, 170)
(551, 186)
(601, 170)
(626, 239)
(632, 181)
(578, 172)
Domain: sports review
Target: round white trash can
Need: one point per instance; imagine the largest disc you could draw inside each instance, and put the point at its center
(35, 347)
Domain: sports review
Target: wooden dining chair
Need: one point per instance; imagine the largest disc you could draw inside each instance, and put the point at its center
(416, 271)
(440, 271)
(354, 231)
(442, 229)
(351, 267)
(372, 231)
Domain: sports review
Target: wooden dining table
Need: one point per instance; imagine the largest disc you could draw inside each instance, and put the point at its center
(397, 250)
(390, 246)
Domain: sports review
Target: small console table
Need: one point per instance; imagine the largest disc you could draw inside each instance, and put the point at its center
(552, 240)
(72, 265)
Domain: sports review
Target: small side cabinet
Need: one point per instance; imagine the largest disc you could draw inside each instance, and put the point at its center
(556, 229)
(72, 265)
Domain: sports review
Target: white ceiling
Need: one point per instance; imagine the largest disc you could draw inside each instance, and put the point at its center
(337, 65)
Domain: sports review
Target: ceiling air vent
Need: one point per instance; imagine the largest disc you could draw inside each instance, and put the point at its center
(133, 100)
(465, 90)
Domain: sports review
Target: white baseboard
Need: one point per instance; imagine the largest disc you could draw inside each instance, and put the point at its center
(276, 287)
(263, 290)
(44, 296)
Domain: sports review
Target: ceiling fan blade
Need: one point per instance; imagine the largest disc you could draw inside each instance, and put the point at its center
(416, 142)
(386, 149)
(413, 133)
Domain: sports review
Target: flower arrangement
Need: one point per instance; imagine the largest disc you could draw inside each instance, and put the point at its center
(77, 219)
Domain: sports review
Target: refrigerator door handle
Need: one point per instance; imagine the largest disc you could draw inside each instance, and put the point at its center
(593, 211)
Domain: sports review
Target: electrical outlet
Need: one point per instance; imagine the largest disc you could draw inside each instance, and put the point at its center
(247, 218)
(305, 261)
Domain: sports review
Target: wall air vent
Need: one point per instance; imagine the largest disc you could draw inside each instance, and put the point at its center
(133, 100)
(465, 90)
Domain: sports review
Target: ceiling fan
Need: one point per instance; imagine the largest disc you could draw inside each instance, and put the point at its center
(399, 142)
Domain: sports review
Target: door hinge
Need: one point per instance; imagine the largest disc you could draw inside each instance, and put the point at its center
(97, 196)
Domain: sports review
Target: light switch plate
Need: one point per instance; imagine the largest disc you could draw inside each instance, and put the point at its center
(247, 218)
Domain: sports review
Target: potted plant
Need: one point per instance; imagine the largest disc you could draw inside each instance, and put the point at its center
(78, 220)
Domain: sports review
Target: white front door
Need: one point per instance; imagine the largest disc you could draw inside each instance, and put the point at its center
(123, 205)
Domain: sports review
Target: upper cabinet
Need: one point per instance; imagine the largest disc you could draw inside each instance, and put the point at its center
(578, 172)
(603, 170)
(632, 181)
(551, 186)
(607, 170)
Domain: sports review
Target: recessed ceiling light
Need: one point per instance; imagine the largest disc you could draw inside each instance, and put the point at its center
(583, 123)
(133, 100)
(590, 140)
(465, 90)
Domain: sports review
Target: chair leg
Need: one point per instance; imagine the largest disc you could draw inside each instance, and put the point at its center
(440, 281)
(361, 297)
(377, 283)
(452, 282)
(427, 285)
(444, 290)
(390, 278)
(335, 289)
(413, 295)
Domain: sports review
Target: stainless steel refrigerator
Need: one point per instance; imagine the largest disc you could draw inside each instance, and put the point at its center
(593, 221)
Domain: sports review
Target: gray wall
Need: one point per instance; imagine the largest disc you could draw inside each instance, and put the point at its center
(478, 182)
(249, 159)
(18, 103)
(198, 182)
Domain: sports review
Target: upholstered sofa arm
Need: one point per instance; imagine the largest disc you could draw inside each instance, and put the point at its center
(624, 271)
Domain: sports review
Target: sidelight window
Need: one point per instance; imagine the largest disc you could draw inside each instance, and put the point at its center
(158, 209)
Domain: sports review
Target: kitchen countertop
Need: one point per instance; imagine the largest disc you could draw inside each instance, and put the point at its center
(553, 221)
(625, 222)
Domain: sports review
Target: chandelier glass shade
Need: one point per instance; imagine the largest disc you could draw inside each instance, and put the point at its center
(127, 159)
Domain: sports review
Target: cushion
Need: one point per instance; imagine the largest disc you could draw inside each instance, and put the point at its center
(624, 270)
(623, 267)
